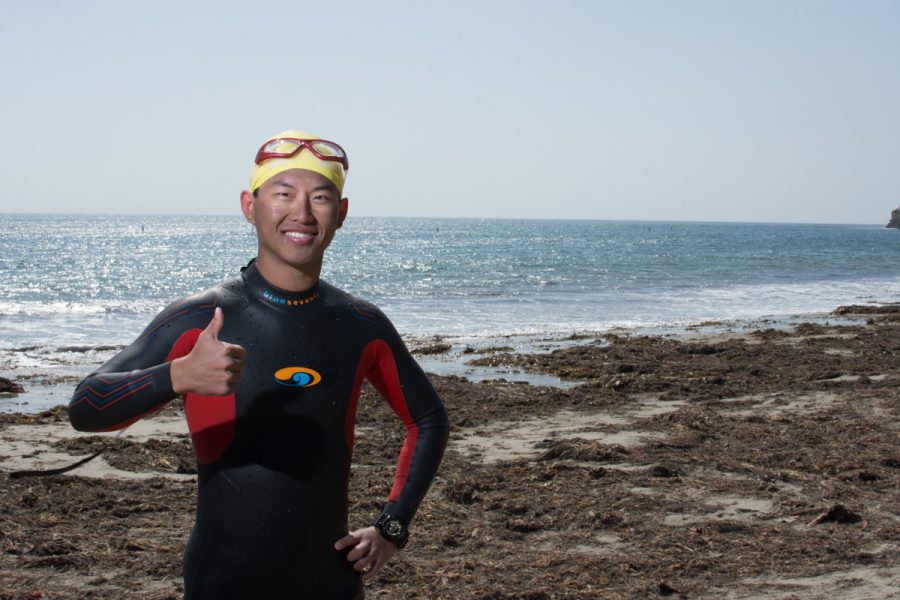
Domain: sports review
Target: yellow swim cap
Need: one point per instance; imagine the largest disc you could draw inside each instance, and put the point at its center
(321, 156)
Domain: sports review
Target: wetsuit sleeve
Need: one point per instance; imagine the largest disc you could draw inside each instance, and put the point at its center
(136, 381)
(397, 376)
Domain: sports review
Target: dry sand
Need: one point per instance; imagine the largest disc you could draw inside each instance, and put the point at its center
(682, 468)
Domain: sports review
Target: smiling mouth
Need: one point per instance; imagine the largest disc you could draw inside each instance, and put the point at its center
(299, 236)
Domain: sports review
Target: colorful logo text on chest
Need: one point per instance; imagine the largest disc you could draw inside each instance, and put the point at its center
(285, 302)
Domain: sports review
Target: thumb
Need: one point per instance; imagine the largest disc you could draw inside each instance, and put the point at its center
(215, 326)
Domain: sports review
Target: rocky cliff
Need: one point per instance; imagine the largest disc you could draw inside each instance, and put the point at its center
(895, 219)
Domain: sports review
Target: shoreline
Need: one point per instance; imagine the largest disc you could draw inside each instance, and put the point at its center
(754, 464)
(439, 354)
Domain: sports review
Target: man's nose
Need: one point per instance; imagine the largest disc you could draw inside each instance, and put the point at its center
(301, 209)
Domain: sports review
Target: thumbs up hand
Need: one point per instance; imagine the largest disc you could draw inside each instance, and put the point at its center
(213, 367)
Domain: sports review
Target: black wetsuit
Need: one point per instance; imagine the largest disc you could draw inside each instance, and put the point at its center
(274, 458)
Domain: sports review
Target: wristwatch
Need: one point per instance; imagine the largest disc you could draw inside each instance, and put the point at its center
(392, 529)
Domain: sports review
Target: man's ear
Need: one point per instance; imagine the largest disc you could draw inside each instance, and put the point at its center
(342, 214)
(247, 200)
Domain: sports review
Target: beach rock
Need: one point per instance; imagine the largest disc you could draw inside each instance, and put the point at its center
(663, 471)
(894, 223)
(665, 589)
(436, 348)
(8, 386)
(836, 514)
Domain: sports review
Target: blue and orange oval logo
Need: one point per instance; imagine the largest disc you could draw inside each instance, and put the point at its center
(297, 377)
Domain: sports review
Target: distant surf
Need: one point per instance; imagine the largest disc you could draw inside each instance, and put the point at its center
(77, 287)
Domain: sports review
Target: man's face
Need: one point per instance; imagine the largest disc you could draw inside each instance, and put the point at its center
(296, 213)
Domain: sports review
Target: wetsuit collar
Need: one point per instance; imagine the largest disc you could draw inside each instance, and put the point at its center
(257, 287)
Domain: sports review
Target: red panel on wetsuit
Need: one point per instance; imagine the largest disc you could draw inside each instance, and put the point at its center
(383, 375)
(210, 418)
(366, 358)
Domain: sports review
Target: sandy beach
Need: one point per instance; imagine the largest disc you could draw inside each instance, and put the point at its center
(756, 465)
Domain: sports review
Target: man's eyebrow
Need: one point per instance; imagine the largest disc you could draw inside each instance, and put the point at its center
(318, 188)
(283, 183)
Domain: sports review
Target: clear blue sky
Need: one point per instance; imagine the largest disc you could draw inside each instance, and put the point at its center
(737, 111)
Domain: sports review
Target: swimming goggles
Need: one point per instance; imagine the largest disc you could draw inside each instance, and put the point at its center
(287, 147)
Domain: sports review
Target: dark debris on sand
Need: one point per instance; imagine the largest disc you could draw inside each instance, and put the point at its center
(153, 455)
(775, 459)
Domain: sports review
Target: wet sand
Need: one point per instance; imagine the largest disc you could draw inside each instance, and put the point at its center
(760, 465)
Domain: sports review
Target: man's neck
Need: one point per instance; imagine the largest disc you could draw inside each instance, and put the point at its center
(286, 277)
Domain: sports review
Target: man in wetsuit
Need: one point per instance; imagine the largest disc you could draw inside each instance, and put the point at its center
(270, 365)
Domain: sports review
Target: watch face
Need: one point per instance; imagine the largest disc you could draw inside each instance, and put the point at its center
(393, 528)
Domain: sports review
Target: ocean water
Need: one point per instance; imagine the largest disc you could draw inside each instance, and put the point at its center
(74, 288)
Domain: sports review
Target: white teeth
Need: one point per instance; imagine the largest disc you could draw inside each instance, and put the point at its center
(297, 235)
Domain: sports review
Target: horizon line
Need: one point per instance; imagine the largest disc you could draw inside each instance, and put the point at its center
(621, 220)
